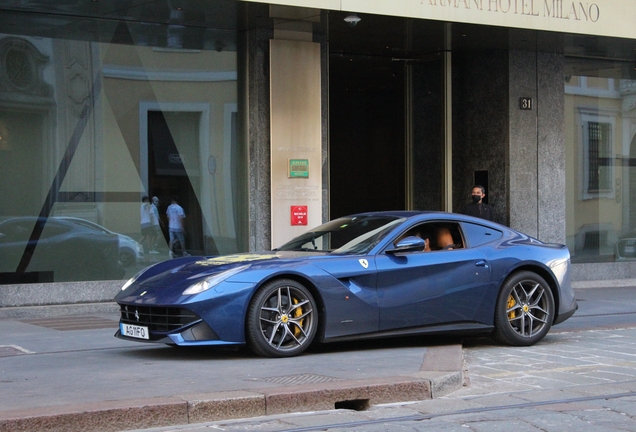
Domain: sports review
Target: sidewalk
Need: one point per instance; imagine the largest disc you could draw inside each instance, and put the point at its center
(609, 283)
(70, 373)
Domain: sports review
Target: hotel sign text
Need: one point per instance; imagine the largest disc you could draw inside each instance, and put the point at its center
(562, 9)
(612, 18)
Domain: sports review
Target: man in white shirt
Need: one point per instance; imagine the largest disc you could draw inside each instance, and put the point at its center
(176, 215)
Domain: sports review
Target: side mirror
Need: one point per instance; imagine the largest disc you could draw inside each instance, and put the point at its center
(408, 244)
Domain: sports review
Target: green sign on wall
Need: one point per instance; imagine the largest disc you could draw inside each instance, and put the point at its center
(298, 168)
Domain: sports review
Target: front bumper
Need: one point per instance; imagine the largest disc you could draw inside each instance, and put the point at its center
(197, 334)
(567, 313)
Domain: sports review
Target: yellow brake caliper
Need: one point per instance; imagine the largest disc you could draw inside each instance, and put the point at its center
(511, 304)
(298, 313)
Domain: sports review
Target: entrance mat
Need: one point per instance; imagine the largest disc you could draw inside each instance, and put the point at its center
(299, 379)
(66, 323)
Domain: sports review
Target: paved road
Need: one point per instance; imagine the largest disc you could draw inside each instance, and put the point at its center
(74, 373)
(581, 378)
(610, 307)
(71, 374)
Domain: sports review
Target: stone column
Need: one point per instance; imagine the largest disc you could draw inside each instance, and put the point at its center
(480, 127)
(304, 26)
(551, 147)
(258, 138)
(537, 145)
(522, 160)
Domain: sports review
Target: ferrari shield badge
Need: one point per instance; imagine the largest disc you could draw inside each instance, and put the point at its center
(364, 263)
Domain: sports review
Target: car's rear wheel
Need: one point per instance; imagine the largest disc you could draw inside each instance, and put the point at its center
(126, 258)
(524, 311)
(282, 319)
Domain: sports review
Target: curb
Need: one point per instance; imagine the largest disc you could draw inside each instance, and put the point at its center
(50, 311)
(610, 283)
(441, 373)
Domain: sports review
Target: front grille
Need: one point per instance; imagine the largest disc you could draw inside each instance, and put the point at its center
(156, 318)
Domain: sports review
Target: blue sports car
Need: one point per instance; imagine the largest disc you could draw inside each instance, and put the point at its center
(369, 275)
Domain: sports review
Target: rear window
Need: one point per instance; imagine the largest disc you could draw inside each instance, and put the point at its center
(477, 235)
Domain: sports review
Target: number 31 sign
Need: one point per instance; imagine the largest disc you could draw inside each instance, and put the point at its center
(525, 103)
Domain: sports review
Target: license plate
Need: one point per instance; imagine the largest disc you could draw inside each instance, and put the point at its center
(133, 331)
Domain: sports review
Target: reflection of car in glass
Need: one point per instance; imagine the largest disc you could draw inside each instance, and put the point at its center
(625, 247)
(370, 275)
(131, 251)
(69, 250)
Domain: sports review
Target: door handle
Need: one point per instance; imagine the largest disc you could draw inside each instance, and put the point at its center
(482, 263)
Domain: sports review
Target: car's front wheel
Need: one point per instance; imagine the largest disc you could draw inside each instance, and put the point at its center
(524, 311)
(282, 319)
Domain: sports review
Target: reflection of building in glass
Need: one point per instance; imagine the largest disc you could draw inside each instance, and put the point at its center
(210, 100)
(87, 127)
(600, 125)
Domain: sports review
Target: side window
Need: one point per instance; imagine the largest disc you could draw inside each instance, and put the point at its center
(416, 231)
(437, 235)
(477, 235)
(52, 230)
(446, 236)
(16, 231)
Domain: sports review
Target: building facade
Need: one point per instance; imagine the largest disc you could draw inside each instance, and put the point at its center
(262, 119)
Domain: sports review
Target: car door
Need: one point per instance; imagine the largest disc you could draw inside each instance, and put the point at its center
(350, 298)
(14, 237)
(428, 288)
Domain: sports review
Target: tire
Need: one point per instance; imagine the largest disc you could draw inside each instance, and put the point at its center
(282, 319)
(127, 258)
(524, 311)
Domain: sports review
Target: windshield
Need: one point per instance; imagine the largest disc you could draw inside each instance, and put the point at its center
(348, 235)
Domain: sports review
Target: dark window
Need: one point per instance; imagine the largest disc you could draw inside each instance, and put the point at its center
(599, 155)
(477, 235)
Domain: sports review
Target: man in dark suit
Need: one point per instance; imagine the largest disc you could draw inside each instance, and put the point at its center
(477, 207)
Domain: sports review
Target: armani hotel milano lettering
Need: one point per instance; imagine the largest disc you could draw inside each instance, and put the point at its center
(562, 9)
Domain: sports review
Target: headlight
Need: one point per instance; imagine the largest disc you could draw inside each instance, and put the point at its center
(212, 281)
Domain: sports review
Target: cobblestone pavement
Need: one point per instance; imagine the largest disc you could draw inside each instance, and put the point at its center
(596, 357)
(571, 381)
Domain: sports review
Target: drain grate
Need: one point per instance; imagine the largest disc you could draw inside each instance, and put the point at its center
(72, 323)
(300, 379)
(13, 350)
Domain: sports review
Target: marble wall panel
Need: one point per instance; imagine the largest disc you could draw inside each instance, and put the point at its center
(480, 127)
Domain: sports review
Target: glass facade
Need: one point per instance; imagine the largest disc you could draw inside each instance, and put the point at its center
(104, 103)
(101, 105)
(600, 122)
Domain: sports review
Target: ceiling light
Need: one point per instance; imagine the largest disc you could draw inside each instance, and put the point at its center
(352, 19)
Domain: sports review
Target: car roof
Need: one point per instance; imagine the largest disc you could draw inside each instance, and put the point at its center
(46, 220)
(397, 213)
(433, 215)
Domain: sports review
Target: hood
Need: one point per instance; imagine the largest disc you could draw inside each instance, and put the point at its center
(190, 272)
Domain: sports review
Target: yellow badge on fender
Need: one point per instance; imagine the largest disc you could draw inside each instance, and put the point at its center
(230, 259)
